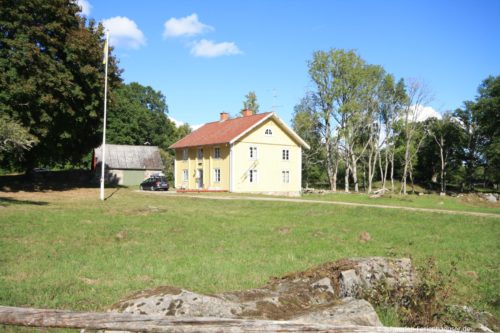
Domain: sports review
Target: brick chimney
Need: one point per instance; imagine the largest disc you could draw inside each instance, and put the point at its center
(247, 112)
(224, 116)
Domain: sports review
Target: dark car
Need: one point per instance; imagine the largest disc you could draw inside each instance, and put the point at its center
(155, 183)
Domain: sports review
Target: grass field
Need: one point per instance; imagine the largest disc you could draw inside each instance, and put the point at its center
(68, 250)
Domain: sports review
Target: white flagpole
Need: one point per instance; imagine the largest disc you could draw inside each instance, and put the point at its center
(103, 147)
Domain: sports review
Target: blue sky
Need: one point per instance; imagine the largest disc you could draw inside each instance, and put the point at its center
(205, 56)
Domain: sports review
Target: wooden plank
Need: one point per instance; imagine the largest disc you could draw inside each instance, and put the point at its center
(155, 324)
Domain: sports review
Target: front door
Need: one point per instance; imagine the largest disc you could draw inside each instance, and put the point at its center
(200, 178)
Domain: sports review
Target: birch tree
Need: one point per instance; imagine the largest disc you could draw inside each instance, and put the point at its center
(418, 97)
(392, 97)
(446, 134)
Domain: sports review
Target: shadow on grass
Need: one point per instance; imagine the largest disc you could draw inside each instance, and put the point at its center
(52, 181)
(113, 193)
(10, 201)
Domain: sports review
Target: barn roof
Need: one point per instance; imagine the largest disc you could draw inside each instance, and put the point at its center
(130, 157)
(230, 130)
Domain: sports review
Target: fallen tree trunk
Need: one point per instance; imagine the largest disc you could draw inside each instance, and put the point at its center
(155, 323)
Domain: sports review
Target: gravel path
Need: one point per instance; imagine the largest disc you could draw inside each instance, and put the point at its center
(352, 204)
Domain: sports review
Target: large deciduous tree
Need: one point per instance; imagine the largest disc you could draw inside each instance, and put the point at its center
(337, 77)
(52, 79)
(487, 107)
(138, 116)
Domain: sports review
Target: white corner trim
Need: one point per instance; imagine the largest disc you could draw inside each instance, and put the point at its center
(231, 167)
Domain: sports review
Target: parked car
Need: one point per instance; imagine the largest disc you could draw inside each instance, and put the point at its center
(155, 183)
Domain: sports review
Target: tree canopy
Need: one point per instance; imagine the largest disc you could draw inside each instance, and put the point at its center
(365, 125)
(250, 103)
(138, 116)
(52, 80)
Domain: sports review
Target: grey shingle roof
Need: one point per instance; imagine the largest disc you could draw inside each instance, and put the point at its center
(130, 157)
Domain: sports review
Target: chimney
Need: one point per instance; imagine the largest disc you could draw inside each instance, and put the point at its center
(247, 112)
(224, 116)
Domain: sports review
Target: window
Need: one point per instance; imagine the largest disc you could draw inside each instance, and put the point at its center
(285, 176)
(216, 175)
(253, 176)
(216, 152)
(285, 155)
(200, 153)
(253, 153)
(185, 154)
(185, 176)
(269, 131)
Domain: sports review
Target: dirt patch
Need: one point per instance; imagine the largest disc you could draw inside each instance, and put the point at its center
(284, 230)
(52, 196)
(364, 237)
(162, 290)
(329, 270)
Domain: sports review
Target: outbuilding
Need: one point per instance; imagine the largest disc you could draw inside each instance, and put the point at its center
(127, 165)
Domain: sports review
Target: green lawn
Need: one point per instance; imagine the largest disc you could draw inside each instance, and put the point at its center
(68, 250)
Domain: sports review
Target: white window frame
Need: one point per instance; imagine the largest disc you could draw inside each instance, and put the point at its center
(217, 153)
(253, 152)
(185, 154)
(199, 154)
(185, 175)
(268, 132)
(285, 154)
(253, 176)
(217, 175)
(285, 176)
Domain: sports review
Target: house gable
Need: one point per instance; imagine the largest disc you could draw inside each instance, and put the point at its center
(269, 132)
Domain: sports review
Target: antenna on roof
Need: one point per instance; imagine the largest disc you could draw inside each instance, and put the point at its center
(275, 98)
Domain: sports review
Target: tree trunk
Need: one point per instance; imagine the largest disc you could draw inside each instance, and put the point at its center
(383, 174)
(335, 171)
(346, 177)
(392, 172)
(443, 188)
(369, 173)
(405, 169)
(372, 168)
(354, 173)
(329, 155)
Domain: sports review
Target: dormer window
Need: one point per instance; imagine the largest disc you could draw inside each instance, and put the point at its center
(269, 132)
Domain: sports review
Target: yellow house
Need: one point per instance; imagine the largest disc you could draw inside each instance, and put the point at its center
(254, 154)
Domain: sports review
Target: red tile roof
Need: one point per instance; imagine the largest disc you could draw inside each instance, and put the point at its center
(220, 132)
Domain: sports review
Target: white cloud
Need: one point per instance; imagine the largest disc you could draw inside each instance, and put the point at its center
(195, 127)
(179, 123)
(123, 32)
(209, 49)
(85, 7)
(425, 112)
(185, 26)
